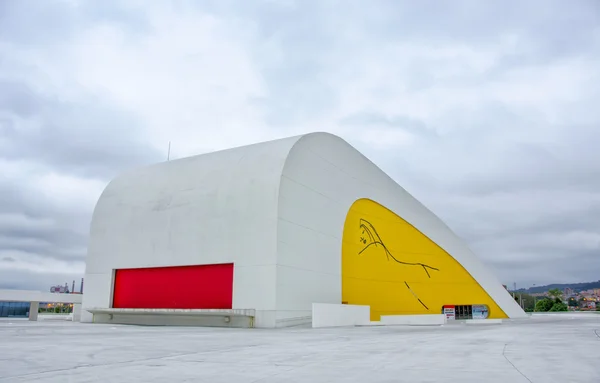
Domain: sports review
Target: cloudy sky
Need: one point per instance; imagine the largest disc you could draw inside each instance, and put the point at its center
(487, 111)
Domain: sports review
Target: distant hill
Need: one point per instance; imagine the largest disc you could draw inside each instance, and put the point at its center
(575, 286)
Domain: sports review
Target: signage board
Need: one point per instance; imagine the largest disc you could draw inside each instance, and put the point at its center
(449, 312)
(480, 312)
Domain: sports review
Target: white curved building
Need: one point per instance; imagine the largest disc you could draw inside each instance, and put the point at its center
(266, 230)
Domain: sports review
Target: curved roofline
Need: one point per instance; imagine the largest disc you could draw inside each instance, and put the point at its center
(415, 213)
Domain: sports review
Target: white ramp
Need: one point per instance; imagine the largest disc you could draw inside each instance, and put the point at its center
(483, 321)
(414, 320)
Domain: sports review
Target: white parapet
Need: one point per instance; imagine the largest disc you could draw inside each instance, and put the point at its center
(339, 315)
(414, 320)
(77, 312)
(483, 321)
(38, 296)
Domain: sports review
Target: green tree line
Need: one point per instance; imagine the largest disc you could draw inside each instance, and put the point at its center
(552, 303)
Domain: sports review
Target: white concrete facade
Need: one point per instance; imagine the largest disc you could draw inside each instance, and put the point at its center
(275, 209)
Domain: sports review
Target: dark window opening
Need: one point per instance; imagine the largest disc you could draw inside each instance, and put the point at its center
(14, 309)
(464, 312)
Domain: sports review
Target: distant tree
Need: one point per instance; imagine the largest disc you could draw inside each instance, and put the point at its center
(544, 305)
(555, 294)
(527, 300)
(559, 306)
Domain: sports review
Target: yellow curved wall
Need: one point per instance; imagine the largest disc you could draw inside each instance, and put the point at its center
(391, 266)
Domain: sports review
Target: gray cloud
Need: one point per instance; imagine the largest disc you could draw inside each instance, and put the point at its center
(56, 21)
(86, 137)
(485, 111)
(320, 39)
(26, 280)
(572, 267)
(62, 142)
(368, 120)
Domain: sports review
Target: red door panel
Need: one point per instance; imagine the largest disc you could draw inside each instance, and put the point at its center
(179, 287)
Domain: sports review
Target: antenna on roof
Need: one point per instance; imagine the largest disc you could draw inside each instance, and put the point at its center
(169, 151)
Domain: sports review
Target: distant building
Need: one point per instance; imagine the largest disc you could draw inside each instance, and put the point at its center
(586, 295)
(60, 289)
(14, 309)
(588, 304)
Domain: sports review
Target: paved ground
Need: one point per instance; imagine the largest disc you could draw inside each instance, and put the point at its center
(563, 349)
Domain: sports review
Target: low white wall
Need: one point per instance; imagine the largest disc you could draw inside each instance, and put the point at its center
(57, 317)
(414, 320)
(338, 315)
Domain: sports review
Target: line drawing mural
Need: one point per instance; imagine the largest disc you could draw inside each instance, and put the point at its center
(370, 238)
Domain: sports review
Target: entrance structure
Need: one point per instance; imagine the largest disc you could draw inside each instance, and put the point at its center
(253, 236)
(32, 301)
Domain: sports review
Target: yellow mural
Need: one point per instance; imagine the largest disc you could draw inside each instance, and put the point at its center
(391, 266)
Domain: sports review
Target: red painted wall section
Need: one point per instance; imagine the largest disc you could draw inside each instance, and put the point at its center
(179, 287)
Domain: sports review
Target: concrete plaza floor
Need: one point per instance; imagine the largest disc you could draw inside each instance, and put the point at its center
(560, 348)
